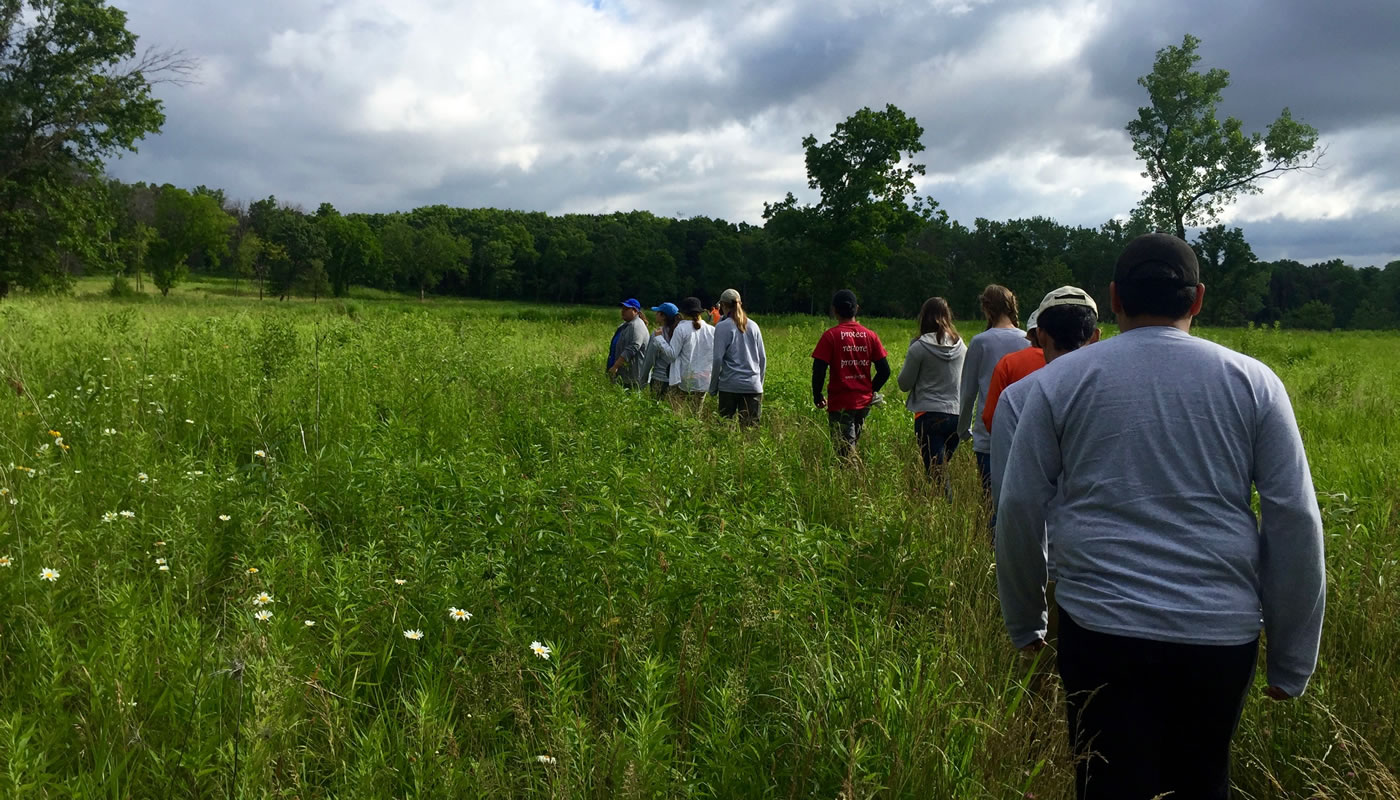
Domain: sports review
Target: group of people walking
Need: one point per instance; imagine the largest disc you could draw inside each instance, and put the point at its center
(1124, 477)
(686, 356)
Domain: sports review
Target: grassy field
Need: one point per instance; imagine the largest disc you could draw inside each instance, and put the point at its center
(726, 615)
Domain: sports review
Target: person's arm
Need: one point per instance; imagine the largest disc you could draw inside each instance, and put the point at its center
(1028, 484)
(967, 390)
(989, 408)
(909, 371)
(636, 343)
(671, 346)
(724, 336)
(1002, 435)
(882, 374)
(1292, 578)
(648, 361)
(818, 381)
(762, 356)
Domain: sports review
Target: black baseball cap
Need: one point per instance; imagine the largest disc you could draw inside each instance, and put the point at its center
(845, 303)
(1158, 257)
(692, 305)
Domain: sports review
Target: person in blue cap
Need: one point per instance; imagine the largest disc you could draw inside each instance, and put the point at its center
(628, 350)
(656, 368)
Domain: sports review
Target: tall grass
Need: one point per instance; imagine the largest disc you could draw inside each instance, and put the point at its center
(729, 614)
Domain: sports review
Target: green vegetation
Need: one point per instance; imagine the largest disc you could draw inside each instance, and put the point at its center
(728, 615)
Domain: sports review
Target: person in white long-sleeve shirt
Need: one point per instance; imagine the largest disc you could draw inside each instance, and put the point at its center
(691, 350)
(1151, 444)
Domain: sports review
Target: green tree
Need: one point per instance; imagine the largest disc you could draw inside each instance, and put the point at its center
(246, 257)
(352, 251)
(1198, 165)
(185, 223)
(73, 92)
(865, 176)
(437, 253)
(1313, 315)
(1238, 282)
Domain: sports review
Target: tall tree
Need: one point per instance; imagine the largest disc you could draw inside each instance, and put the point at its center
(73, 92)
(1238, 282)
(865, 176)
(1198, 165)
(185, 223)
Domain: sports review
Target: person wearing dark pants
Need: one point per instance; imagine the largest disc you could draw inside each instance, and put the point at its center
(740, 362)
(849, 350)
(1002, 337)
(931, 376)
(1191, 694)
(1141, 460)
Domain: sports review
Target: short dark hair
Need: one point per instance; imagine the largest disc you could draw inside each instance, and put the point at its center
(1156, 297)
(845, 303)
(1070, 327)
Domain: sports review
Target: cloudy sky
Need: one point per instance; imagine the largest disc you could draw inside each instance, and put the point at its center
(683, 107)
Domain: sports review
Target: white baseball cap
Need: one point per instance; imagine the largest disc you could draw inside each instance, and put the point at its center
(1067, 296)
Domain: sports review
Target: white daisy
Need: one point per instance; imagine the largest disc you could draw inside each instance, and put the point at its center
(110, 516)
(143, 477)
(48, 574)
(459, 614)
(415, 635)
(263, 599)
(160, 561)
(164, 568)
(310, 623)
(547, 760)
(127, 514)
(260, 453)
(540, 650)
(224, 518)
(262, 616)
(5, 561)
(400, 581)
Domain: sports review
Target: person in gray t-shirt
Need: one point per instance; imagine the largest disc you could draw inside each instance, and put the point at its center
(1151, 445)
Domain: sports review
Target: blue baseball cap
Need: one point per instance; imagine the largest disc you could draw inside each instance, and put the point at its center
(632, 303)
(669, 309)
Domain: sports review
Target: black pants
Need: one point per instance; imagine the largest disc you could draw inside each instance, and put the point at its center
(749, 407)
(984, 468)
(846, 427)
(938, 437)
(1151, 718)
(660, 388)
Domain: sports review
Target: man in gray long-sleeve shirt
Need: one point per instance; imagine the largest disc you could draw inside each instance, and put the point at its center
(630, 343)
(1153, 441)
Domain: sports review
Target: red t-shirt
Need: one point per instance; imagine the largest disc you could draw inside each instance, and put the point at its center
(849, 348)
(1011, 368)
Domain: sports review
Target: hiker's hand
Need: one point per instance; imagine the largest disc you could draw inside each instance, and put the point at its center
(1276, 693)
(1034, 647)
(820, 402)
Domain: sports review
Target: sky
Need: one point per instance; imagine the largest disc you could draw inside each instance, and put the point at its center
(688, 108)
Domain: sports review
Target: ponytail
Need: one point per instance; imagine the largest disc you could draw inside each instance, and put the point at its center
(736, 313)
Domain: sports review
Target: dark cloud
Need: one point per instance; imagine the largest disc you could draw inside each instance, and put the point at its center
(699, 108)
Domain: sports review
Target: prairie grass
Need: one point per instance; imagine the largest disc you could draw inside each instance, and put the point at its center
(728, 614)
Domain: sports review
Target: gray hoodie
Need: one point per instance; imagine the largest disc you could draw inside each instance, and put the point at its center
(631, 351)
(932, 374)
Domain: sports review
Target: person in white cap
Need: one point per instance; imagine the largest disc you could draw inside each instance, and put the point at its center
(1143, 455)
(740, 362)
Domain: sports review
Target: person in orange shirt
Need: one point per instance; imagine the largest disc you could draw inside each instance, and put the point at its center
(1012, 368)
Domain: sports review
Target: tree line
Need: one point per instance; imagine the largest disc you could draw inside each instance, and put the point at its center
(74, 91)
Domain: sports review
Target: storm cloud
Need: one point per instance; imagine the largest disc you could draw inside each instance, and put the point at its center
(684, 108)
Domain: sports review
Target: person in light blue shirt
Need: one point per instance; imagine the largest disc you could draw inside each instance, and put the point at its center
(1002, 337)
(1151, 445)
(740, 362)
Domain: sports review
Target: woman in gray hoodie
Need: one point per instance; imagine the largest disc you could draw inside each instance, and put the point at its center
(932, 376)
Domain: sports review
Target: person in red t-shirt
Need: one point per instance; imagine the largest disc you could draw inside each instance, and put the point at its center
(848, 350)
(1012, 368)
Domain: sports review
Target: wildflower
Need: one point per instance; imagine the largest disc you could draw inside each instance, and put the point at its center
(547, 760)
(540, 650)
(415, 635)
(310, 623)
(399, 581)
(110, 431)
(143, 477)
(44, 448)
(189, 422)
(109, 516)
(262, 616)
(164, 567)
(252, 570)
(160, 544)
(48, 574)
(127, 514)
(160, 561)
(260, 453)
(5, 561)
(56, 434)
(224, 518)
(263, 599)
(3, 491)
(459, 614)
